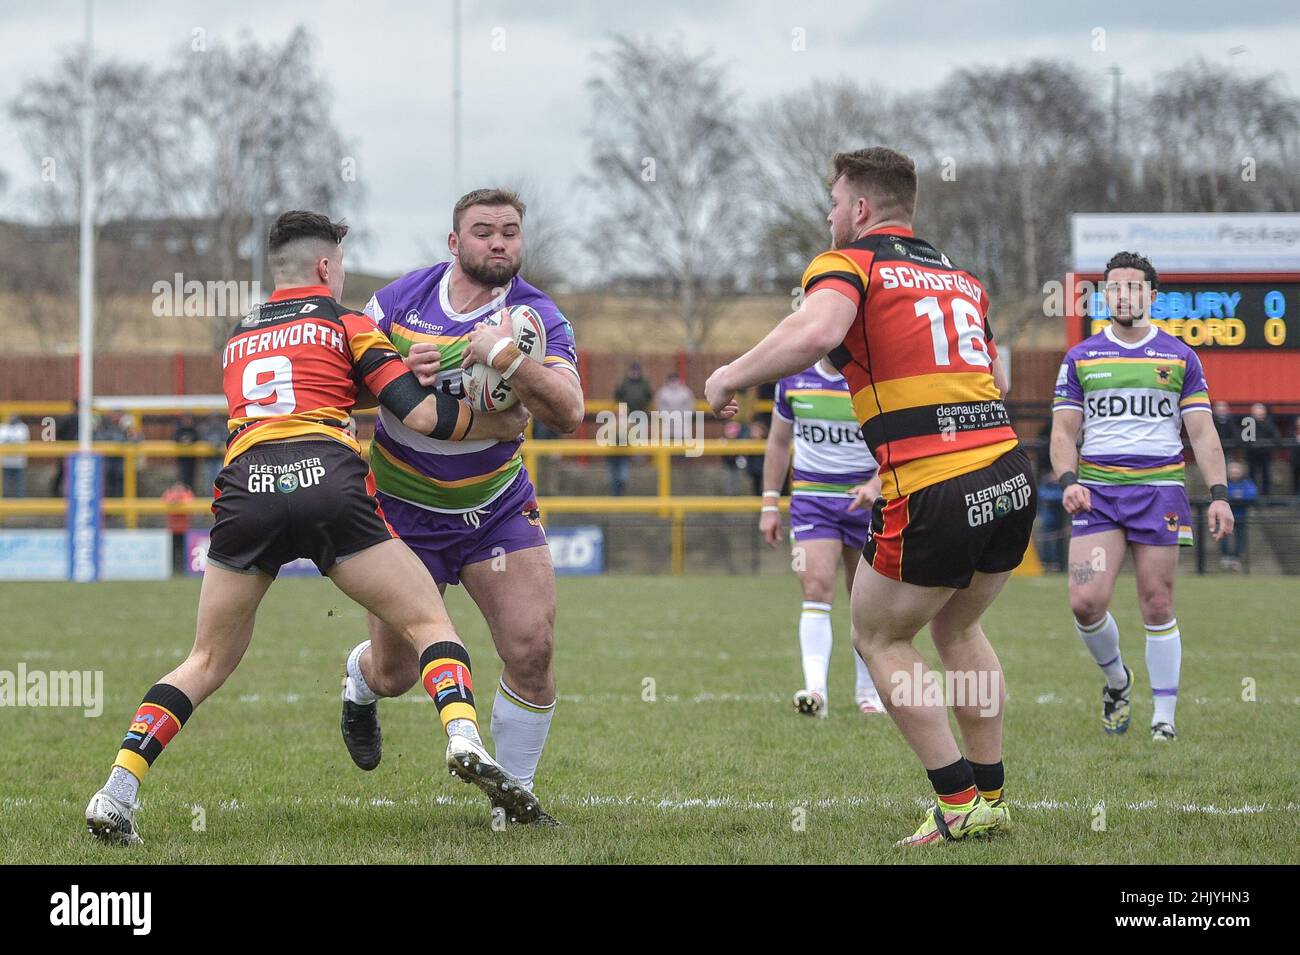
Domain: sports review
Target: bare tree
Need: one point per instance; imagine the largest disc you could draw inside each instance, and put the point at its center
(132, 138)
(260, 138)
(1032, 134)
(1211, 132)
(667, 165)
(793, 139)
(133, 144)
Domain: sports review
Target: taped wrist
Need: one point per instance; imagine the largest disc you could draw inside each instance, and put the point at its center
(1068, 478)
(503, 356)
(1218, 492)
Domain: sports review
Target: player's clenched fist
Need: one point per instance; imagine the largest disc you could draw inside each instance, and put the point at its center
(1076, 498)
(721, 399)
(424, 359)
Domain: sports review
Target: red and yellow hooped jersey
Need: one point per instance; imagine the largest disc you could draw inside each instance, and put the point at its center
(918, 359)
(293, 368)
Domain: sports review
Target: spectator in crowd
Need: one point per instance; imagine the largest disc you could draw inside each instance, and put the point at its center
(1260, 452)
(14, 431)
(765, 394)
(178, 523)
(1052, 531)
(1241, 495)
(733, 465)
(110, 427)
(187, 432)
(676, 399)
(1228, 426)
(66, 428)
(213, 431)
(634, 392)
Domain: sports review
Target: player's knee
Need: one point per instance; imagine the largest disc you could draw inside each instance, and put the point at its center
(869, 641)
(1157, 606)
(529, 654)
(1087, 608)
(819, 587)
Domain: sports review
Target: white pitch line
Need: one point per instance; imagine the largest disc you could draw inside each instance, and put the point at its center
(707, 697)
(664, 804)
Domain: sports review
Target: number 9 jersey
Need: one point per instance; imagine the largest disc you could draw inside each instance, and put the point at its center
(918, 359)
(294, 367)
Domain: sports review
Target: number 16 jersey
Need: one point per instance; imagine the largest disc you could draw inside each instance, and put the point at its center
(918, 359)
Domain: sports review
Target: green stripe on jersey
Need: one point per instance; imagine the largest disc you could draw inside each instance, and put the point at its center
(450, 354)
(1173, 474)
(837, 407)
(818, 487)
(1122, 374)
(392, 479)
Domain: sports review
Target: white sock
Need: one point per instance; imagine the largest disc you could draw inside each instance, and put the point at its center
(815, 645)
(122, 785)
(1102, 641)
(355, 687)
(519, 729)
(1164, 661)
(865, 686)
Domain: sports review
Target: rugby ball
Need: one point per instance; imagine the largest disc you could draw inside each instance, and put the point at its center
(484, 388)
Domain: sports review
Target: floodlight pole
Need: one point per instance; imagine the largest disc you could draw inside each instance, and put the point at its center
(87, 317)
(455, 100)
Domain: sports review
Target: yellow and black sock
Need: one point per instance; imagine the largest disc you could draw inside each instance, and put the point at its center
(444, 671)
(159, 717)
(989, 777)
(954, 784)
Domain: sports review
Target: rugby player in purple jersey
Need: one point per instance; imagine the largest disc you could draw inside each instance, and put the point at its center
(469, 509)
(1131, 388)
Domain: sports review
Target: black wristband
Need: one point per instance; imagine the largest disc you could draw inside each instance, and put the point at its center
(1068, 478)
(451, 414)
(1218, 492)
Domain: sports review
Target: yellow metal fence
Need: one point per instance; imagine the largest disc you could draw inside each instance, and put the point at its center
(663, 504)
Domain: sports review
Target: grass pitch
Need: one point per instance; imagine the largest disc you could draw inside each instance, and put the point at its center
(717, 768)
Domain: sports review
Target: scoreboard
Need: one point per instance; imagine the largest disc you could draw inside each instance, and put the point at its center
(1230, 313)
(1245, 328)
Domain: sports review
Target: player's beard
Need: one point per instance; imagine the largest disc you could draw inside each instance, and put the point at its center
(489, 274)
(839, 239)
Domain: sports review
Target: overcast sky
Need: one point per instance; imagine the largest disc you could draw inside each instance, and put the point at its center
(526, 108)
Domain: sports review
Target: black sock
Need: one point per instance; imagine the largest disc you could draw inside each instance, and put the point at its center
(954, 783)
(989, 778)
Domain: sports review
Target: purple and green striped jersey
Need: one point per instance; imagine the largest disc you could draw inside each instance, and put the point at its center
(450, 476)
(830, 456)
(1133, 398)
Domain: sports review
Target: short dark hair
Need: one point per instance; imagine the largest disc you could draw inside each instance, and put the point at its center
(299, 224)
(883, 172)
(485, 197)
(1132, 260)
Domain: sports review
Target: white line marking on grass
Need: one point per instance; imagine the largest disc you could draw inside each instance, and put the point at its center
(670, 804)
